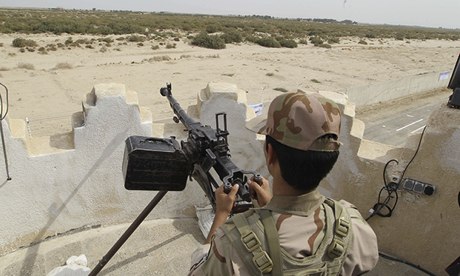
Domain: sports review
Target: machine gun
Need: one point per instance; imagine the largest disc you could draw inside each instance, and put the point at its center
(162, 164)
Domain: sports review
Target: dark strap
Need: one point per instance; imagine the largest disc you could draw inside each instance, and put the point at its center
(271, 234)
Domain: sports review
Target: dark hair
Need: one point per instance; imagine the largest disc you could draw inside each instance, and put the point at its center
(301, 169)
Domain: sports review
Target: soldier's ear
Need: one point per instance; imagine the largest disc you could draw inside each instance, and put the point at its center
(271, 155)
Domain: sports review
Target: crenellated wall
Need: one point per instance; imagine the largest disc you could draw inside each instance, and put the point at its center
(74, 180)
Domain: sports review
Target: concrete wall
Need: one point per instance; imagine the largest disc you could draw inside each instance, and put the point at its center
(73, 180)
(389, 90)
(423, 229)
(70, 181)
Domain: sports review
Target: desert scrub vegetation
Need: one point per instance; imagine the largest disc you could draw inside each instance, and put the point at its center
(288, 43)
(268, 42)
(167, 25)
(63, 65)
(27, 66)
(208, 41)
(22, 42)
(232, 36)
(280, 89)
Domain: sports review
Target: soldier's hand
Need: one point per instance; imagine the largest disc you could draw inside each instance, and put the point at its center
(260, 191)
(225, 202)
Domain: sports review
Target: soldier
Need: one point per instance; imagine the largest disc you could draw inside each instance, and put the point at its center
(297, 231)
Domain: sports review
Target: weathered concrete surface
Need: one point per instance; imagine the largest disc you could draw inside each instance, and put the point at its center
(59, 185)
(158, 247)
(422, 229)
(394, 89)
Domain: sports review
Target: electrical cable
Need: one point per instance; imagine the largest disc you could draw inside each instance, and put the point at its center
(416, 151)
(391, 258)
(390, 189)
(1, 103)
(3, 116)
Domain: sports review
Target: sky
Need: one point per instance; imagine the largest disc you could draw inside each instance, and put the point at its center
(429, 13)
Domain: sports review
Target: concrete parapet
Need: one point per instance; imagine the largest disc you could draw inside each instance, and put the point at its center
(389, 90)
(74, 179)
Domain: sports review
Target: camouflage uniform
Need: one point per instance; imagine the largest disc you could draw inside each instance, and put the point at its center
(316, 236)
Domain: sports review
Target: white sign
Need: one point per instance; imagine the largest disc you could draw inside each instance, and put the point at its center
(444, 75)
(258, 108)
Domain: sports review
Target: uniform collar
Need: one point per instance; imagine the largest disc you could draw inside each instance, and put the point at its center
(303, 205)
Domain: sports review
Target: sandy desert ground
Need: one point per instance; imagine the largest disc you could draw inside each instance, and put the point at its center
(48, 88)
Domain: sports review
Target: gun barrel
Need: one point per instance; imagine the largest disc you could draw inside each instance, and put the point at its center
(178, 110)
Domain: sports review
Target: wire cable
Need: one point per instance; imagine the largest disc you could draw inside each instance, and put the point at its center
(390, 189)
(381, 206)
(416, 151)
(3, 116)
(391, 258)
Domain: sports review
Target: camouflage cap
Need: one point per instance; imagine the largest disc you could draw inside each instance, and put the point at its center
(297, 120)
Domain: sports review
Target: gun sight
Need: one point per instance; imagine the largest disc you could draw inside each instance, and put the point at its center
(166, 91)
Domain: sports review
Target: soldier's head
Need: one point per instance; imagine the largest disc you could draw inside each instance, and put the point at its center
(303, 131)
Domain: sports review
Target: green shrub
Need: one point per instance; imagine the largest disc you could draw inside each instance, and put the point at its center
(303, 41)
(208, 41)
(82, 41)
(42, 51)
(251, 38)
(362, 42)
(68, 41)
(333, 40)
(106, 40)
(27, 66)
(316, 40)
(22, 42)
(170, 45)
(212, 28)
(399, 37)
(327, 46)
(232, 37)
(51, 47)
(135, 38)
(63, 65)
(268, 42)
(288, 43)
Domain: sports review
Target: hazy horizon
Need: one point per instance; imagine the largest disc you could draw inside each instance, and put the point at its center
(424, 13)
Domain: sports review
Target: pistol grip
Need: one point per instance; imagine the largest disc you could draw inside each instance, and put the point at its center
(227, 187)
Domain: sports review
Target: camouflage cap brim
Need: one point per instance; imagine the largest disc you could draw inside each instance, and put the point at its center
(258, 124)
(298, 120)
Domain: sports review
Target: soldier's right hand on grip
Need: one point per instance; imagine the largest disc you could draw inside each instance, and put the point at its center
(260, 190)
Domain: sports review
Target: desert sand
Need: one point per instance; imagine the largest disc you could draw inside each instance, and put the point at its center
(48, 88)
